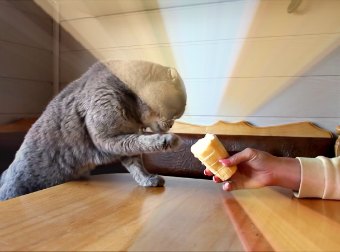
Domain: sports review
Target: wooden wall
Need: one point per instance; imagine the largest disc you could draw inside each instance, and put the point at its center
(25, 59)
(240, 59)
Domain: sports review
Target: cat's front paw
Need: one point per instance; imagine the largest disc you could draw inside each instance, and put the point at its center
(153, 180)
(170, 141)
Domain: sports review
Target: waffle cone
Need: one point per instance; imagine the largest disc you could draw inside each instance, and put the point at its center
(209, 150)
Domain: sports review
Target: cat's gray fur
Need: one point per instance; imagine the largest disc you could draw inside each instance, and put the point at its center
(94, 120)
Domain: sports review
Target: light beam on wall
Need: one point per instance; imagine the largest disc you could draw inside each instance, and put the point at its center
(266, 65)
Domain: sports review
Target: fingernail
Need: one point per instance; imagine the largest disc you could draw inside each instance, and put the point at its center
(205, 173)
(214, 179)
(226, 187)
(225, 162)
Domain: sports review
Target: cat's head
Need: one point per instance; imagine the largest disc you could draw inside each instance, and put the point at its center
(160, 87)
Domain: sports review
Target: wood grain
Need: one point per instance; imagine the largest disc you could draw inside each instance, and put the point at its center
(20, 125)
(292, 224)
(301, 129)
(112, 213)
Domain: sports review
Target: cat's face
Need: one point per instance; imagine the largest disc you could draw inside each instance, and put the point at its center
(161, 125)
(152, 120)
(156, 123)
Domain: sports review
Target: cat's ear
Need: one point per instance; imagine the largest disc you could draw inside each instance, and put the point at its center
(172, 73)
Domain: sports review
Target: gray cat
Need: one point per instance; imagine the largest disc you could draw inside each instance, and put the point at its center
(98, 119)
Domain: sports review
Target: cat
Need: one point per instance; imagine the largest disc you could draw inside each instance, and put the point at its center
(97, 119)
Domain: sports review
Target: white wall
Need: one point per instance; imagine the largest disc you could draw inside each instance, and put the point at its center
(240, 59)
(25, 60)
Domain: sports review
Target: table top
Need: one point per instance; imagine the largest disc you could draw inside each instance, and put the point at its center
(111, 212)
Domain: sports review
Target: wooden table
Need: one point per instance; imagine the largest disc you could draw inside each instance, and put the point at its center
(110, 212)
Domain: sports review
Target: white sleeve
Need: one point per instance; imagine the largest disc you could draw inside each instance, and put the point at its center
(320, 178)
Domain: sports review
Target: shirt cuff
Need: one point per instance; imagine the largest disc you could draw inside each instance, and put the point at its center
(312, 183)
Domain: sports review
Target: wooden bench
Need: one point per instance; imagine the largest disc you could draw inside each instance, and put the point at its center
(291, 140)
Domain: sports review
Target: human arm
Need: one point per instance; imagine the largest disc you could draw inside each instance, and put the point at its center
(258, 169)
(308, 177)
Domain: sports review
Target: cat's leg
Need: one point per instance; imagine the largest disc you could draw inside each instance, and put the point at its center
(2, 178)
(104, 127)
(135, 144)
(20, 179)
(135, 166)
(10, 189)
(7, 192)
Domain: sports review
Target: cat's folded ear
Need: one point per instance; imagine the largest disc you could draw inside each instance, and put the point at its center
(166, 97)
(172, 73)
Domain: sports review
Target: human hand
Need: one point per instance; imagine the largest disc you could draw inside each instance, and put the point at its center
(258, 169)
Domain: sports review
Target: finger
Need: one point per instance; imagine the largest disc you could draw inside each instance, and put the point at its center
(207, 172)
(229, 185)
(236, 182)
(240, 157)
(217, 179)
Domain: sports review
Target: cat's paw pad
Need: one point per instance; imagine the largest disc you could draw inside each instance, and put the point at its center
(154, 180)
(170, 141)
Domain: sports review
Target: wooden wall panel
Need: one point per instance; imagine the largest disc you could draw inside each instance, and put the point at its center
(163, 26)
(80, 9)
(25, 60)
(325, 123)
(307, 96)
(24, 96)
(30, 7)
(25, 28)
(260, 57)
(207, 22)
(247, 59)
